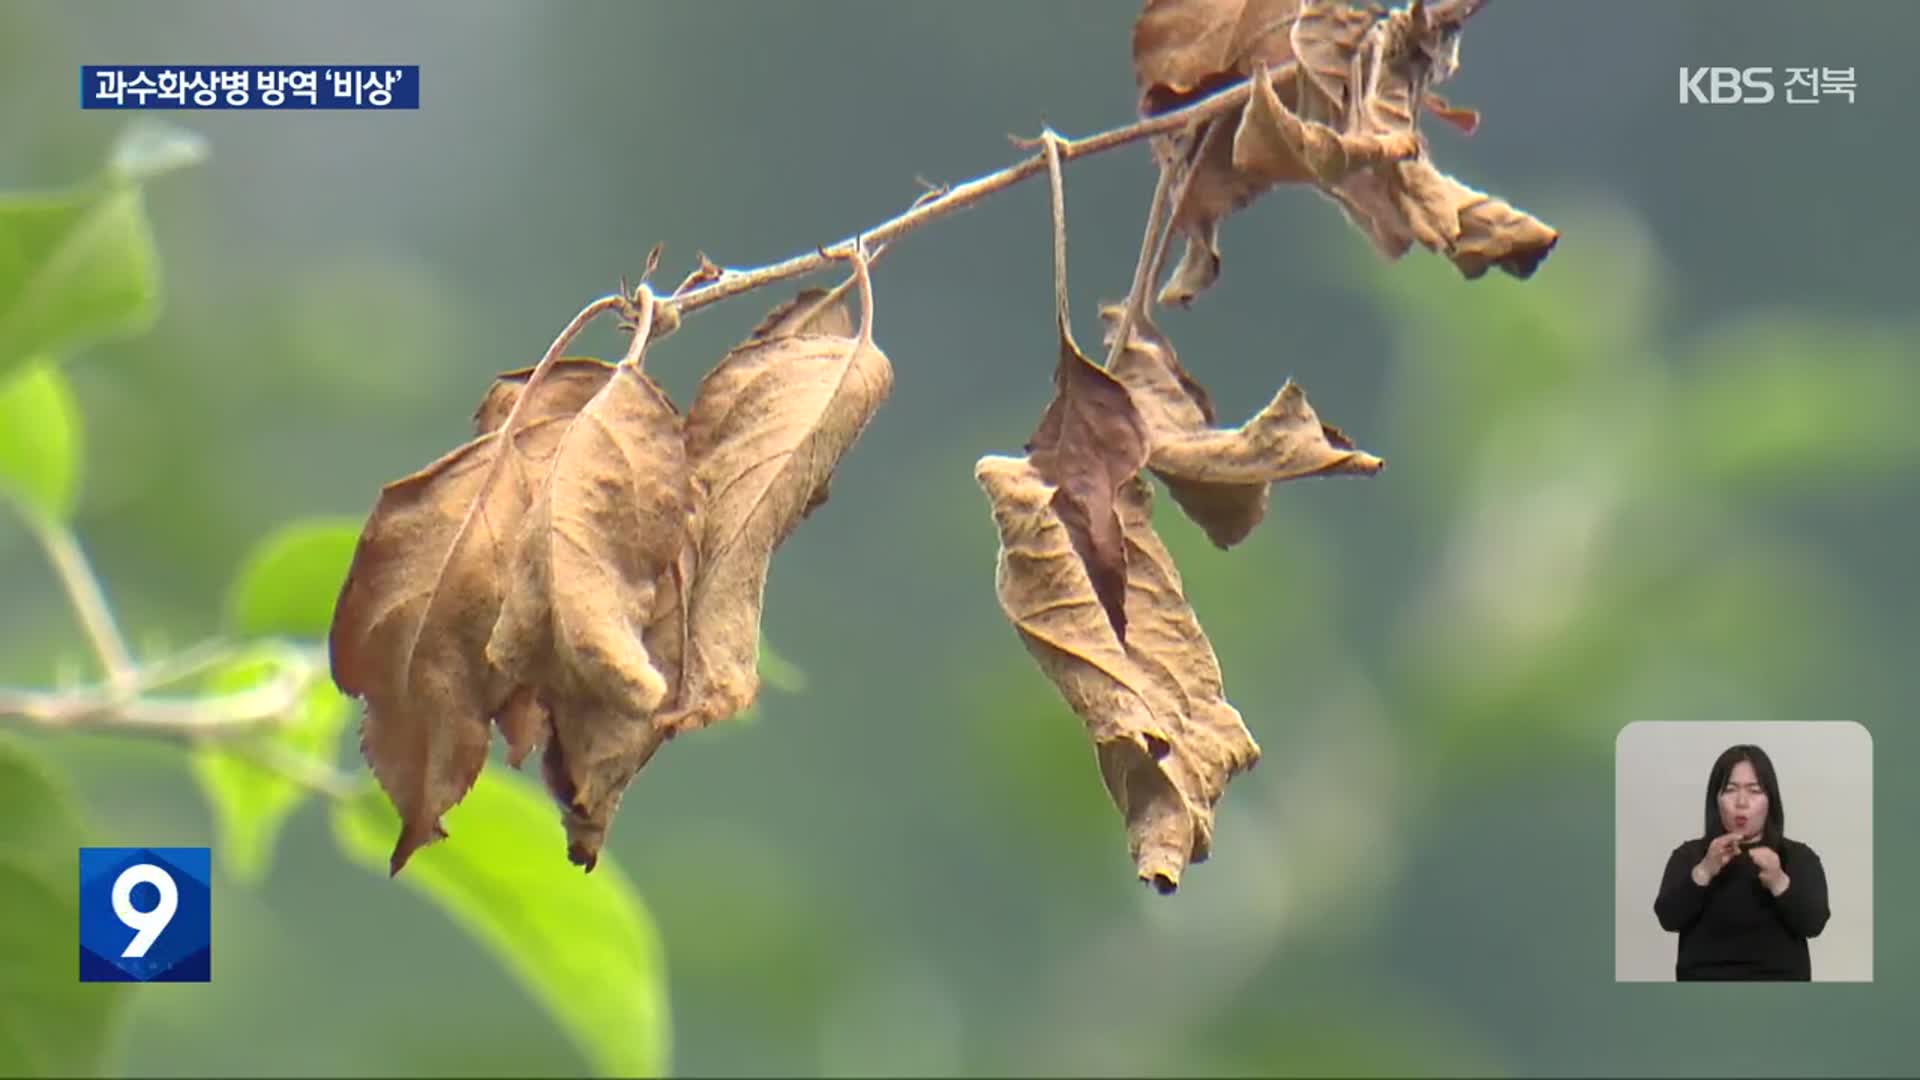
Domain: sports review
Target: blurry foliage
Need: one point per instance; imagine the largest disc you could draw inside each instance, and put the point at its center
(1597, 494)
(51, 1024)
(288, 584)
(80, 267)
(584, 944)
(40, 439)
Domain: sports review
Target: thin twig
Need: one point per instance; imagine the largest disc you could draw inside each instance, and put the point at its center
(83, 591)
(120, 708)
(734, 282)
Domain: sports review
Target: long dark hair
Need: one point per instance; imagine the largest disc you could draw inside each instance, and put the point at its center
(1776, 828)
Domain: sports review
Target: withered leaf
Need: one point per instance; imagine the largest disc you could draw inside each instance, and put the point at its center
(1166, 739)
(1185, 49)
(1090, 441)
(1274, 144)
(595, 552)
(1221, 477)
(806, 313)
(766, 429)
(1475, 230)
(410, 628)
(1178, 403)
(524, 722)
(1211, 190)
(564, 391)
(1335, 107)
(1400, 202)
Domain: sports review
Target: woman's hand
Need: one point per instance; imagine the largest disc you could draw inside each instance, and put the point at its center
(1719, 854)
(1767, 861)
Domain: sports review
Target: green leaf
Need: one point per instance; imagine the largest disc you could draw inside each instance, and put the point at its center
(584, 945)
(290, 581)
(39, 440)
(38, 824)
(51, 1024)
(251, 795)
(75, 267)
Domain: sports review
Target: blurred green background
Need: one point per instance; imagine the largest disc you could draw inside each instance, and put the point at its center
(1673, 476)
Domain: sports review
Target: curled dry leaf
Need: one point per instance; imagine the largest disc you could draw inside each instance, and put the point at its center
(1186, 49)
(1091, 441)
(410, 628)
(1274, 144)
(1475, 230)
(808, 312)
(766, 430)
(1221, 476)
(1338, 93)
(1166, 739)
(594, 578)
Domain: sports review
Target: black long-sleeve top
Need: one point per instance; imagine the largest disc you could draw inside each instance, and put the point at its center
(1734, 928)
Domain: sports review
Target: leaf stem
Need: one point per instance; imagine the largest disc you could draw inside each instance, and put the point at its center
(1057, 200)
(642, 330)
(1147, 269)
(554, 352)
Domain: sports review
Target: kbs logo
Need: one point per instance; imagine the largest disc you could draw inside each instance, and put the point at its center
(1726, 86)
(1756, 85)
(146, 915)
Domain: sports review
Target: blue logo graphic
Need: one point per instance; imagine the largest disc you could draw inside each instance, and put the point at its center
(146, 914)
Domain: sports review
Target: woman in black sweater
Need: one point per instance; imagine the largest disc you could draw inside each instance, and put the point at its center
(1743, 898)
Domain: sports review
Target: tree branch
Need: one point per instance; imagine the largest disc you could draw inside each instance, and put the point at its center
(124, 706)
(735, 282)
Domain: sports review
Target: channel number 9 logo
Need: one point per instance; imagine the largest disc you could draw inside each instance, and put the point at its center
(145, 914)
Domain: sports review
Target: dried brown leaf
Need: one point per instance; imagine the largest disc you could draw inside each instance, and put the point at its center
(594, 553)
(410, 627)
(1211, 189)
(1090, 441)
(1166, 739)
(1274, 144)
(1475, 230)
(565, 389)
(524, 722)
(765, 432)
(1334, 105)
(805, 313)
(1184, 49)
(1285, 440)
(1221, 476)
